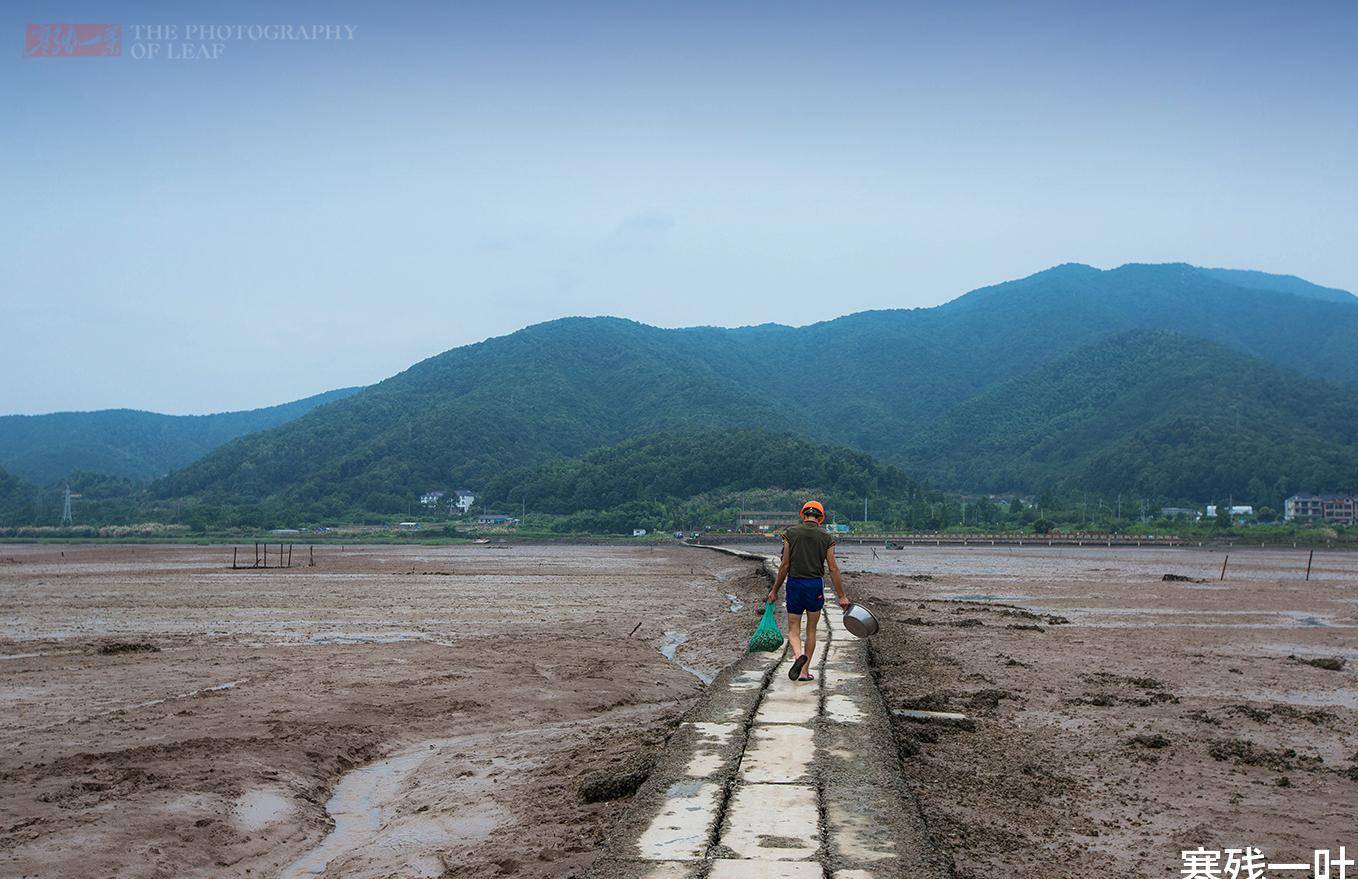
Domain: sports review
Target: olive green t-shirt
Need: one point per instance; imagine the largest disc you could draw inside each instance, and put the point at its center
(807, 548)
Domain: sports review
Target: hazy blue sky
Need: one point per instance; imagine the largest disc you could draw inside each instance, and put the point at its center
(193, 236)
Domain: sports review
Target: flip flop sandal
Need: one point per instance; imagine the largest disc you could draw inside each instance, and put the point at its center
(797, 665)
(809, 677)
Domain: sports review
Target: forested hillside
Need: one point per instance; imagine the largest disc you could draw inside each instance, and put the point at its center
(1154, 413)
(875, 381)
(16, 499)
(677, 466)
(129, 443)
(552, 390)
(698, 477)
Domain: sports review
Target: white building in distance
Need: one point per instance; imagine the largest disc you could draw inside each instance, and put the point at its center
(462, 500)
(1237, 510)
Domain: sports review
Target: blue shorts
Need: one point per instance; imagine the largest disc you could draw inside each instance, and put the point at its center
(805, 594)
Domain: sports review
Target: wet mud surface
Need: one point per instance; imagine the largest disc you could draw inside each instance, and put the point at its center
(1118, 718)
(393, 711)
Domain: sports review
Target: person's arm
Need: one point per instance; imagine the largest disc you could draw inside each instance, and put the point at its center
(835, 579)
(782, 571)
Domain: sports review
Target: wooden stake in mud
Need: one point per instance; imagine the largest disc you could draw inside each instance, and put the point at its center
(312, 563)
(233, 558)
(1308, 563)
(1223, 566)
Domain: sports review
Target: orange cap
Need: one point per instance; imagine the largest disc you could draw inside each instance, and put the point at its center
(813, 505)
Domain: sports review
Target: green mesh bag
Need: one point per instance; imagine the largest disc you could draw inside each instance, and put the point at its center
(768, 637)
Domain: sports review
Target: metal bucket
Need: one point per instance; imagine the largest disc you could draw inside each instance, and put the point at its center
(859, 621)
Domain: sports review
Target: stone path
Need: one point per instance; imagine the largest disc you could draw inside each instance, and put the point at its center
(779, 779)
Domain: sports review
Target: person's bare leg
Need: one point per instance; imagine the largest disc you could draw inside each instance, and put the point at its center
(794, 633)
(812, 618)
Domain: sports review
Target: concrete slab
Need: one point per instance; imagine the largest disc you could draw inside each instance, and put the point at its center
(730, 713)
(732, 869)
(841, 661)
(773, 822)
(855, 836)
(711, 744)
(778, 753)
(795, 706)
(842, 709)
(780, 682)
(713, 733)
(838, 677)
(747, 680)
(705, 764)
(683, 829)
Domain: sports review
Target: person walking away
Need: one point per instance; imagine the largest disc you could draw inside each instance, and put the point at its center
(807, 552)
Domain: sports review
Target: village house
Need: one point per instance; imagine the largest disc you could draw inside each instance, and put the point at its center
(431, 498)
(462, 500)
(1339, 509)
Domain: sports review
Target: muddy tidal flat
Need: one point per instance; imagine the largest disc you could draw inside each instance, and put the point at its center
(487, 711)
(1119, 718)
(391, 711)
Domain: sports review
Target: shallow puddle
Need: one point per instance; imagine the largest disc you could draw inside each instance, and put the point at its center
(669, 647)
(356, 808)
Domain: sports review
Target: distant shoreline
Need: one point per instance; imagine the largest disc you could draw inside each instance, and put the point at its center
(867, 541)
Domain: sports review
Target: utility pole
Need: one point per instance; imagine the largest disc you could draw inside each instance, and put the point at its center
(865, 510)
(66, 507)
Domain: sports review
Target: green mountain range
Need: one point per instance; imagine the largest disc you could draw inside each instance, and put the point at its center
(882, 382)
(129, 443)
(1152, 412)
(1170, 380)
